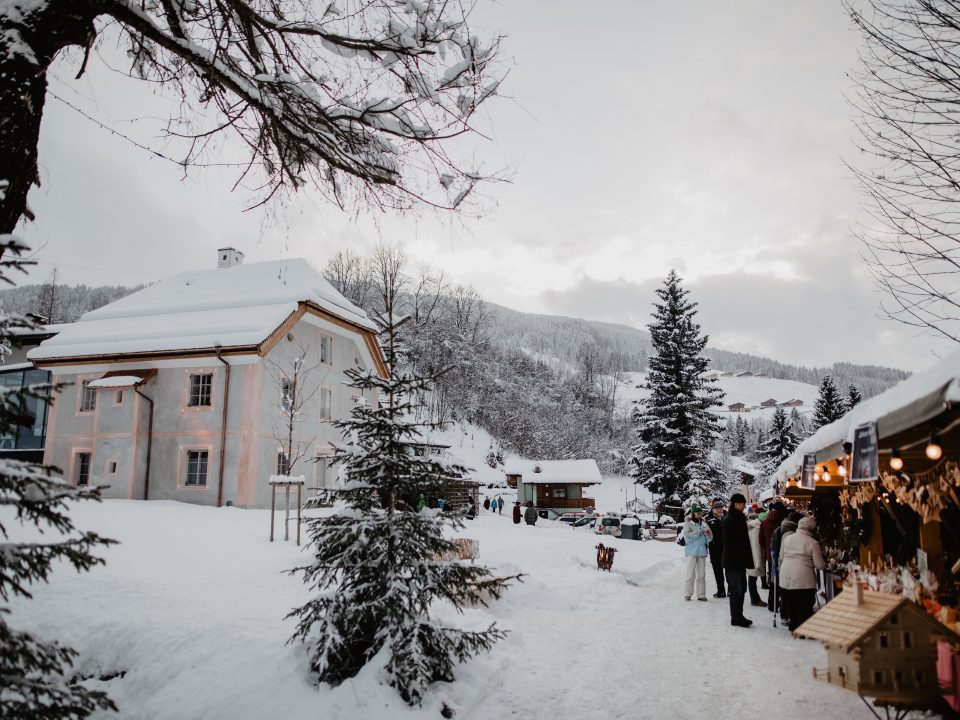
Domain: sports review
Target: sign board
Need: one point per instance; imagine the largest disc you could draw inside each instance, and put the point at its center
(808, 472)
(865, 463)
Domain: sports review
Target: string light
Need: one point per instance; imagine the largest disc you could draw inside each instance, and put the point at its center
(934, 451)
(896, 462)
(842, 469)
(826, 474)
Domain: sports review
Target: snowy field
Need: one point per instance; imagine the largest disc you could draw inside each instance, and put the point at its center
(751, 391)
(190, 607)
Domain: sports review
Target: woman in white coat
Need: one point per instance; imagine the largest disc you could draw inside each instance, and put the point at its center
(801, 556)
(753, 530)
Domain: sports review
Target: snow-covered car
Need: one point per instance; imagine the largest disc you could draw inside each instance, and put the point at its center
(587, 521)
(608, 525)
(570, 518)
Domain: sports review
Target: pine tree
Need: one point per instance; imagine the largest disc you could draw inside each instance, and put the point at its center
(830, 406)
(674, 425)
(798, 424)
(740, 447)
(378, 564)
(780, 443)
(35, 682)
(854, 397)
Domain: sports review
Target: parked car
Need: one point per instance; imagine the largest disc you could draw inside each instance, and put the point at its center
(571, 518)
(587, 521)
(608, 525)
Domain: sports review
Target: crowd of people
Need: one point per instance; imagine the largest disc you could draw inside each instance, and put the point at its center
(773, 547)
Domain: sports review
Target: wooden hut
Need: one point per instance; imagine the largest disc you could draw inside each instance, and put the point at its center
(554, 486)
(880, 646)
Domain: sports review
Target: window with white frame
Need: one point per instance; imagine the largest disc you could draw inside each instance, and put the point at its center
(324, 473)
(83, 468)
(286, 394)
(197, 461)
(326, 350)
(326, 403)
(88, 398)
(283, 463)
(201, 390)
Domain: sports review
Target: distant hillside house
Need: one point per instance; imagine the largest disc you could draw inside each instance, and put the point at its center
(745, 373)
(768, 403)
(737, 407)
(554, 486)
(792, 403)
(171, 392)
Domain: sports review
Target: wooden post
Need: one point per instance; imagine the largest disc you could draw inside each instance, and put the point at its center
(932, 545)
(286, 519)
(299, 485)
(872, 549)
(273, 508)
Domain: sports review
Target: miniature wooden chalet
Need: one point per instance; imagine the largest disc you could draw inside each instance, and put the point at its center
(880, 646)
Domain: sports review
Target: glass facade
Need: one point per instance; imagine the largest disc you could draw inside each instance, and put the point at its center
(31, 427)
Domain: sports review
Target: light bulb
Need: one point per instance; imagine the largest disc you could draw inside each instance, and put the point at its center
(934, 451)
(826, 475)
(842, 470)
(896, 462)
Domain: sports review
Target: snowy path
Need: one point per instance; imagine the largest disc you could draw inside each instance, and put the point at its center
(196, 620)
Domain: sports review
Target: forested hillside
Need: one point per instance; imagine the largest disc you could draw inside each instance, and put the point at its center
(543, 386)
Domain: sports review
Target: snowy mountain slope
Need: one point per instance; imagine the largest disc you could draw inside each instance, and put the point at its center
(751, 391)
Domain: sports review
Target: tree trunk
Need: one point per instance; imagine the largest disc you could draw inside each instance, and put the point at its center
(29, 41)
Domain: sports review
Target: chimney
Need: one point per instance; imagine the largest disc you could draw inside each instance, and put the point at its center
(227, 257)
(857, 593)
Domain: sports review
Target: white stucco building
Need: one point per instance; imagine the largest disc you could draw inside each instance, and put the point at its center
(171, 390)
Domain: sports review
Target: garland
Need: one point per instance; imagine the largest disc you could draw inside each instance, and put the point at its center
(927, 493)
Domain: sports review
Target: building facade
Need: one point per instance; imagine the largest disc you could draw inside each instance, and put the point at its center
(178, 392)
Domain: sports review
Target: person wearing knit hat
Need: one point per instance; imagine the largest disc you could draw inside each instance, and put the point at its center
(737, 558)
(696, 535)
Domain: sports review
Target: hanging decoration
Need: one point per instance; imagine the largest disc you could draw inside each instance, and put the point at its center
(927, 493)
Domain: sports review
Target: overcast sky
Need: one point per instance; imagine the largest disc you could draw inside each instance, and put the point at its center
(641, 136)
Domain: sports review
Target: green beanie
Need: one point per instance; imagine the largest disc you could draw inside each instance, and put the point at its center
(695, 509)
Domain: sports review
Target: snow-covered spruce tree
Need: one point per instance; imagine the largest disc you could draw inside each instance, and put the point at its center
(830, 404)
(779, 444)
(674, 425)
(740, 435)
(854, 396)
(34, 680)
(378, 564)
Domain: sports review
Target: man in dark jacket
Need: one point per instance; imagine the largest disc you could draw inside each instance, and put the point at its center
(530, 514)
(737, 558)
(716, 547)
(767, 528)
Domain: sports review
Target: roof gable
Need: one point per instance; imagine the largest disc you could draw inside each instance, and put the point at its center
(239, 306)
(844, 624)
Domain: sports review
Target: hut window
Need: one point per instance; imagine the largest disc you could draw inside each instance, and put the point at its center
(878, 677)
(907, 640)
(897, 676)
(884, 640)
(894, 620)
(918, 676)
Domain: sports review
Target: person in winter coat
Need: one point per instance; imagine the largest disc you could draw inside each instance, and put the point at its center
(696, 534)
(493, 505)
(486, 503)
(737, 558)
(768, 526)
(716, 547)
(788, 527)
(500, 504)
(801, 555)
(517, 513)
(753, 530)
(530, 514)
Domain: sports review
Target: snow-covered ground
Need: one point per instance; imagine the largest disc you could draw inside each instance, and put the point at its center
(191, 604)
(751, 391)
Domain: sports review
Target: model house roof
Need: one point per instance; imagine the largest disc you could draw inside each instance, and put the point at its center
(909, 403)
(226, 307)
(559, 472)
(843, 623)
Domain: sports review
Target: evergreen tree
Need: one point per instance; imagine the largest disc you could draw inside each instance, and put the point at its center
(798, 424)
(780, 443)
(674, 425)
(853, 396)
(740, 447)
(378, 564)
(35, 682)
(830, 406)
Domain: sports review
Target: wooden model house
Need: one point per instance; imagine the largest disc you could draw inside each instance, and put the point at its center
(879, 645)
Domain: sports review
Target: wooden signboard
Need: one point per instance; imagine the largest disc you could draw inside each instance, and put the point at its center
(865, 463)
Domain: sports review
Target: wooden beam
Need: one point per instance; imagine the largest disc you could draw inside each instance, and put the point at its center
(871, 551)
(932, 544)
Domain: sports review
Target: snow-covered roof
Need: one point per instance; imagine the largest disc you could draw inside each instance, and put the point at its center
(117, 381)
(230, 307)
(909, 403)
(554, 471)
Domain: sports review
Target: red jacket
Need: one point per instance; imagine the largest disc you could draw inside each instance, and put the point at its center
(771, 523)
